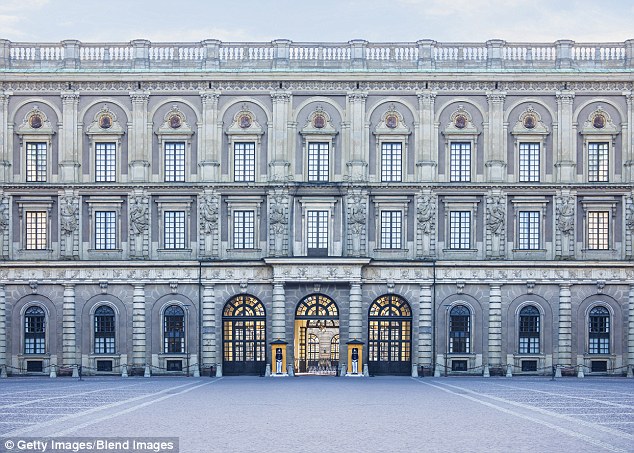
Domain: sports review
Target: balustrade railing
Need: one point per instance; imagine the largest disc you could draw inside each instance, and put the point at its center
(356, 54)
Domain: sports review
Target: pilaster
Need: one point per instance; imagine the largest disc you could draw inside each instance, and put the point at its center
(357, 165)
(495, 325)
(630, 329)
(565, 217)
(426, 221)
(495, 151)
(69, 146)
(5, 225)
(210, 142)
(355, 327)
(139, 358)
(208, 218)
(3, 330)
(566, 156)
(628, 140)
(138, 149)
(208, 353)
(5, 155)
(279, 163)
(564, 343)
(278, 316)
(426, 139)
(278, 220)
(69, 221)
(69, 338)
(425, 333)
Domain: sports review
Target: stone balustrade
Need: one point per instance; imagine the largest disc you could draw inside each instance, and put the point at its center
(212, 54)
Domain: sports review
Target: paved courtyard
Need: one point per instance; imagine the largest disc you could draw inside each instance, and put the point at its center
(327, 414)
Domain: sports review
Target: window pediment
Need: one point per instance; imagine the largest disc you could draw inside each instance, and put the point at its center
(175, 125)
(392, 124)
(461, 124)
(530, 123)
(245, 124)
(319, 124)
(599, 123)
(35, 123)
(105, 124)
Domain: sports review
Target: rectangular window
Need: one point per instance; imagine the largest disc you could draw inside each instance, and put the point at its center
(243, 229)
(105, 230)
(318, 161)
(36, 230)
(599, 230)
(391, 162)
(598, 162)
(528, 234)
(174, 161)
(460, 230)
(36, 162)
(174, 230)
(105, 162)
(317, 233)
(529, 162)
(244, 162)
(460, 162)
(391, 229)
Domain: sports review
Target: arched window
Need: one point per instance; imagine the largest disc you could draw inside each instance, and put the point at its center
(104, 330)
(460, 330)
(529, 330)
(599, 331)
(389, 336)
(334, 350)
(174, 330)
(313, 350)
(34, 331)
(244, 336)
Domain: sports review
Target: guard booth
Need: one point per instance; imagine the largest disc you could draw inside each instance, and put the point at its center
(355, 358)
(278, 357)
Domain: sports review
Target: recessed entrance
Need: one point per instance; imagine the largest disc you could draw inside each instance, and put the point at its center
(244, 336)
(317, 336)
(390, 336)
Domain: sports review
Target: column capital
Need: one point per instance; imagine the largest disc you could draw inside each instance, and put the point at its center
(139, 97)
(210, 97)
(69, 97)
(426, 96)
(565, 95)
(281, 96)
(496, 96)
(357, 96)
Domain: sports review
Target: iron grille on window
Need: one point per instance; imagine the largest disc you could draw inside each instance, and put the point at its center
(36, 162)
(391, 229)
(317, 233)
(36, 230)
(460, 230)
(528, 230)
(244, 162)
(318, 161)
(529, 162)
(104, 330)
(105, 230)
(34, 331)
(599, 230)
(460, 162)
(460, 330)
(598, 162)
(105, 162)
(175, 161)
(599, 331)
(243, 229)
(529, 330)
(174, 330)
(174, 234)
(391, 162)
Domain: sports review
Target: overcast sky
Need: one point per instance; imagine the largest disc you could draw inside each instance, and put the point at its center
(317, 20)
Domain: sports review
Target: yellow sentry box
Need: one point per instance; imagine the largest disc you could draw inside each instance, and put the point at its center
(355, 354)
(278, 356)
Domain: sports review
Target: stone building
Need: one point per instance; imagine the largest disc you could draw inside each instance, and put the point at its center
(443, 208)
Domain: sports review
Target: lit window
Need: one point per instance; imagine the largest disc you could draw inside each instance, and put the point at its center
(174, 330)
(529, 228)
(317, 233)
(460, 330)
(460, 230)
(598, 162)
(599, 331)
(175, 161)
(104, 330)
(36, 162)
(529, 162)
(243, 229)
(244, 161)
(34, 331)
(460, 162)
(529, 330)
(174, 229)
(318, 161)
(391, 162)
(391, 229)
(105, 230)
(36, 230)
(598, 230)
(105, 162)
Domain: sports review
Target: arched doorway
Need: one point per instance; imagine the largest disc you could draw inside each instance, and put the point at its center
(316, 327)
(390, 336)
(244, 336)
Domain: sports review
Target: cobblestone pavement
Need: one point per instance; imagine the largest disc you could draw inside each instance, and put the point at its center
(324, 414)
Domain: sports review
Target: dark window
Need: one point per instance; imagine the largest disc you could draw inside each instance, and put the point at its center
(243, 229)
(34, 366)
(391, 162)
(598, 162)
(460, 162)
(34, 331)
(599, 366)
(105, 230)
(317, 233)
(104, 365)
(313, 350)
(599, 335)
(529, 162)
(244, 162)
(529, 365)
(460, 230)
(458, 365)
(460, 330)
(104, 330)
(391, 229)
(529, 330)
(105, 162)
(389, 335)
(174, 365)
(174, 329)
(36, 162)
(334, 350)
(528, 226)
(318, 162)
(174, 230)
(175, 161)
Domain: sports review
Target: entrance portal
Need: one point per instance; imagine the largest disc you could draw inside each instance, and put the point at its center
(317, 336)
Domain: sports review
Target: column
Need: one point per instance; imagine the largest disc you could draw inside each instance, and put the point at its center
(566, 155)
(278, 315)
(495, 325)
(69, 146)
(139, 358)
(357, 165)
(208, 353)
(69, 346)
(279, 162)
(564, 343)
(426, 148)
(210, 143)
(495, 151)
(630, 333)
(139, 161)
(425, 325)
(3, 331)
(5, 155)
(628, 140)
(355, 326)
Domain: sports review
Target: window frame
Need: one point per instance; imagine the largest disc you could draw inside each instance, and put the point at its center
(45, 177)
(44, 134)
(104, 204)
(174, 204)
(465, 204)
(106, 334)
(468, 338)
(26, 334)
(165, 319)
(599, 204)
(109, 161)
(391, 204)
(606, 335)
(535, 335)
(327, 204)
(243, 204)
(35, 204)
(244, 132)
(529, 204)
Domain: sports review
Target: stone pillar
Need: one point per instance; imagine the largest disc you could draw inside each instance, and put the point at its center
(425, 333)
(357, 217)
(630, 331)
(565, 140)
(279, 163)
(212, 53)
(426, 147)
(5, 221)
(208, 217)
(495, 325)
(357, 165)
(208, 353)
(564, 343)
(495, 151)
(69, 146)
(628, 140)
(5, 155)
(565, 216)
(563, 53)
(278, 209)
(210, 142)
(278, 315)
(494, 53)
(138, 149)
(495, 224)
(139, 356)
(69, 339)
(69, 221)
(355, 326)
(139, 214)
(358, 48)
(3, 331)
(426, 224)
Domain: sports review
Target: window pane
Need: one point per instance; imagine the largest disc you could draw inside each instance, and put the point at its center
(244, 162)
(36, 230)
(34, 331)
(391, 229)
(460, 162)
(36, 162)
(105, 162)
(243, 229)
(391, 162)
(175, 161)
(318, 160)
(459, 330)
(174, 224)
(598, 162)
(460, 230)
(105, 230)
(528, 233)
(598, 230)
(529, 162)
(317, 231)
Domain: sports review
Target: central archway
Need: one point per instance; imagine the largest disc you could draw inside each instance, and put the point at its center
(390, 336)
(244, 336)
(317, 335)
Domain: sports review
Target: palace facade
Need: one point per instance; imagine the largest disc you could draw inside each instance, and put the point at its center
(215, 208)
